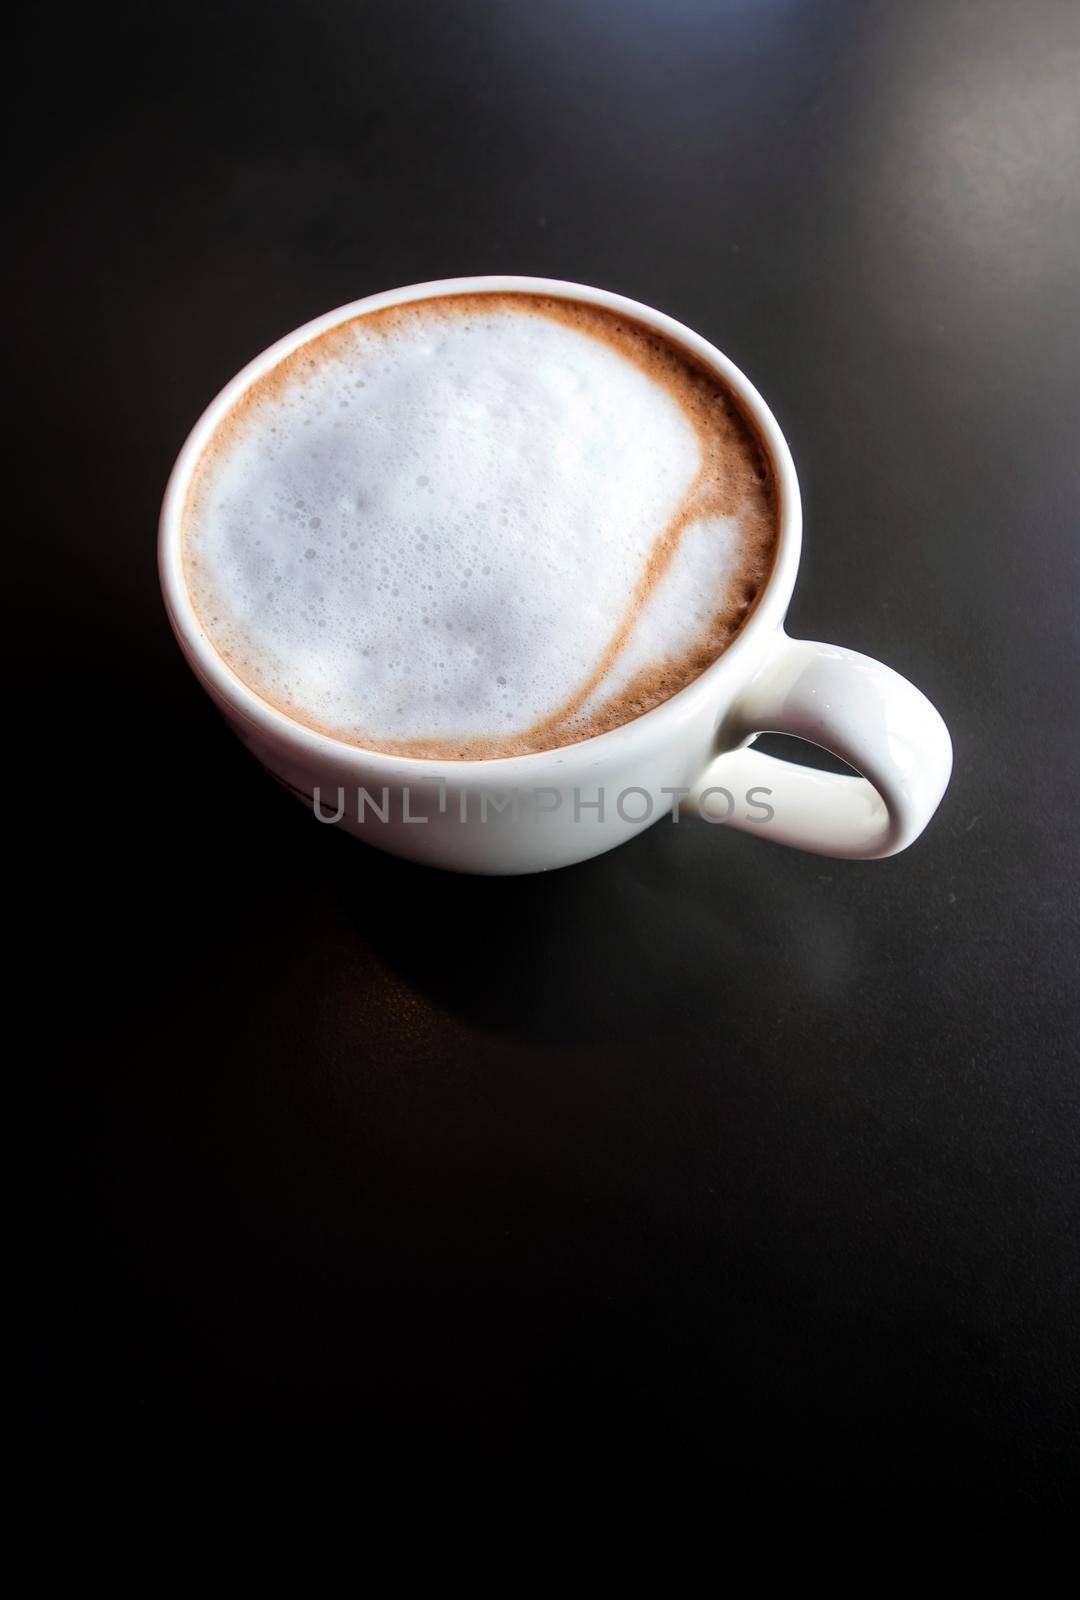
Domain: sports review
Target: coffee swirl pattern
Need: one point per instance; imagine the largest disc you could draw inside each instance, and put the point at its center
(478, 526)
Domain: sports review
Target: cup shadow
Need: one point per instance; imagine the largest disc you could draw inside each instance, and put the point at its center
(611, 950)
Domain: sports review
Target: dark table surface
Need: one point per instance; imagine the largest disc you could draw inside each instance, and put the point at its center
(705, 1152)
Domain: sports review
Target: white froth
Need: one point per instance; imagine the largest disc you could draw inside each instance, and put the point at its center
(435, 533)
(679, 607)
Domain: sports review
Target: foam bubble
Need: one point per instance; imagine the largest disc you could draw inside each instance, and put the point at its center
(476, 525)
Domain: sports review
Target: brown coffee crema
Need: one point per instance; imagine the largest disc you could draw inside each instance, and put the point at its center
(735, 478)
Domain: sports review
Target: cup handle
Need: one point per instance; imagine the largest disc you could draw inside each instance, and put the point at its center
(863, 712)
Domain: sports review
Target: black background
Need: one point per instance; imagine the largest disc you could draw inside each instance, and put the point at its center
(705, 1153)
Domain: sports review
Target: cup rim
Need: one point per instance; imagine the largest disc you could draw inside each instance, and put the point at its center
(242, 701)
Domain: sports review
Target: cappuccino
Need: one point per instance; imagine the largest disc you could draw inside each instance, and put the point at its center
(479, 525)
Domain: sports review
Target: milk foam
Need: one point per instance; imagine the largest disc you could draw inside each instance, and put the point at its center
(464, 527)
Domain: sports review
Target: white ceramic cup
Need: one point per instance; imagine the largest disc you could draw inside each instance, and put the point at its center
(690, 755)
